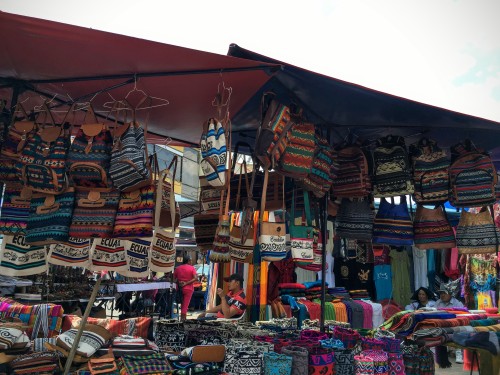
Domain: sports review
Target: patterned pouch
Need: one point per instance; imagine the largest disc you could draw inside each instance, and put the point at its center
(170, 335)
(277, 364)
(300, 359)
(321, 361)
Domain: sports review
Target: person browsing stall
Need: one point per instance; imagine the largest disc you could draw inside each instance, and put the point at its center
(422, 298)
(186, 276)
(233, 304)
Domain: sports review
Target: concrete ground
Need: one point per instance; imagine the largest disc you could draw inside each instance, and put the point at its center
(455, 369)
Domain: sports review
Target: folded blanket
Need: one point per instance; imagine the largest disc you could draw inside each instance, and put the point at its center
(495, 328)
(430, 323)
(483, 322)
(291, 286)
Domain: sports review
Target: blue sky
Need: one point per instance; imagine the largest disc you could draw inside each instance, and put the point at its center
(441, 52)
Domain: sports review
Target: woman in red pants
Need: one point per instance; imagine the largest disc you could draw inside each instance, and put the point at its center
(186, 276)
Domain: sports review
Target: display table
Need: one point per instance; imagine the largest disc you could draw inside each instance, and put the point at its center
(489, 364)
(144, 286)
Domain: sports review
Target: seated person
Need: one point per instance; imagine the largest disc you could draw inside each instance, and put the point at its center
(233, 304)
(422, 298)
(447, 293)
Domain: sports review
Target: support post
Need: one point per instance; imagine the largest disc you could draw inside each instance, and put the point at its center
(72, 352)
(324, 218)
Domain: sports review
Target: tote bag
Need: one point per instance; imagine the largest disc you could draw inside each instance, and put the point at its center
(214, 153)
(301, 236)
(108, 254)
(138, 251)
(272, 235)
(477, 233)
(134, 218)
(355, 219)
(162, 257)
(432, 229)
(392, 224)
(75, 252)
(18, 258)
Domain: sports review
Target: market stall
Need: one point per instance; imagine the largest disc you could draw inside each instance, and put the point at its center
(304, 215)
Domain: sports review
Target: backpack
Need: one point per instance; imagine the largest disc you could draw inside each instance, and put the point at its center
(430, 172)
(473, 177)
(89, 156)
(129, 167)
(42, 162)
(272, 136)
(391, 167)
(320, 178)
(297, 158)
(351, 172)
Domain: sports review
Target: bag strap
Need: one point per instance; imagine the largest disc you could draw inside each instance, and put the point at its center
(159, 193)
(307, 208)
(48, 114)
(238, 194)
(19, 108)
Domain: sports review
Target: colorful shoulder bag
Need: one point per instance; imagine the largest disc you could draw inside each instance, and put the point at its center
(302, 236)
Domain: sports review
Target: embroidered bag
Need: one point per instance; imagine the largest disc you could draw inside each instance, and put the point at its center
(205, 226)
(241, 251)
(93, 338)
(272, 235)
(297, 158)
(277, 364)
(152, 363)
(15, 209)
(344, 362)
(432, 229)
(301, 236)
(355, 219)
(392, 176)
(108, 254)
(477, 233)
(42, 162)
(170, 335)
(380, 360)
(320, 177)
(392, 224)
(94, 214)
(220, 250)
(363, 365)
(472, 177)
(19, 131)
(50, 217)
(138, 251)
(214, 153)
(351, 172)
(134, 218)
(18, 258)
(249, 362)
(430, 172)
(75, 252)
(396, 363)
(272, 136)
(300, 359)
(129, 168)
(89, 156)
(8, 170)
(32, 363)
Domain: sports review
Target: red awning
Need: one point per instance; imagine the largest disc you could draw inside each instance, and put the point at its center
(39, 56)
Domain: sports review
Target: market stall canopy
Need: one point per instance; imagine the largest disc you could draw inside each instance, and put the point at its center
(66, 62)
(347, 108)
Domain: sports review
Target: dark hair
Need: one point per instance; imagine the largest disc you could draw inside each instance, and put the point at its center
(185, 259)
(430, 295)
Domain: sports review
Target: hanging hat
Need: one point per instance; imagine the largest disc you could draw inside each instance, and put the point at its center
(450, 287)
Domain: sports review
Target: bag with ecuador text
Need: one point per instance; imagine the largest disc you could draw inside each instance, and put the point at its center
(301, 236)
(18, 258)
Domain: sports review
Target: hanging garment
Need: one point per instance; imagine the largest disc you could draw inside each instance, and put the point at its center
(400, 264)
(420, 268)
(383, 281)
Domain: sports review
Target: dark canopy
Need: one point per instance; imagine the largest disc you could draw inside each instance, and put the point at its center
(39, 56)
(348, 108)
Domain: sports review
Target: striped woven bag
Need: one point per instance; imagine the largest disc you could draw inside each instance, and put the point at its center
(297, 159)
(129, 169)
(89, 156)
(15, 209)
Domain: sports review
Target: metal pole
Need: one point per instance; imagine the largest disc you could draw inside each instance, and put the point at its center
(72, 352)
(324, 218)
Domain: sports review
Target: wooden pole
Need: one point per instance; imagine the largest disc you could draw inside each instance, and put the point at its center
(72, 352)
